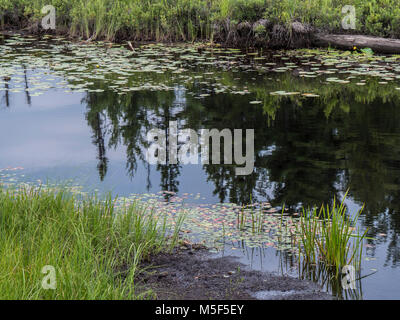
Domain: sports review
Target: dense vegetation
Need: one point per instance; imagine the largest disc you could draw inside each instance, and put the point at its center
(190, 20)
(95, 251)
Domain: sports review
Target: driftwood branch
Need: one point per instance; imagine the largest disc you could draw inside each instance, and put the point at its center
(342, 41)
(131, 46)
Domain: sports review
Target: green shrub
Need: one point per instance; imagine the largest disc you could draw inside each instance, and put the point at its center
(194, 19)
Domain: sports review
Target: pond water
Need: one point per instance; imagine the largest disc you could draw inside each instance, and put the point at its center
(325, 122)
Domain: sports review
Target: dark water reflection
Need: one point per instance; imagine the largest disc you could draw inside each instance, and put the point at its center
(307, 150)
(303, 157)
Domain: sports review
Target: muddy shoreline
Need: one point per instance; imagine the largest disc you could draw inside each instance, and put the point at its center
(196, 275)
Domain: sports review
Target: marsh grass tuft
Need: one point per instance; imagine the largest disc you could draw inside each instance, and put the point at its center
(330, 236)
(95, 248)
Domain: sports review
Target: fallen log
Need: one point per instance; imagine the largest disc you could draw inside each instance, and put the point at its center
(344, 41)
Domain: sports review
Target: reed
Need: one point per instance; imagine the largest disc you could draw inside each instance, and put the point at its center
(331, 236)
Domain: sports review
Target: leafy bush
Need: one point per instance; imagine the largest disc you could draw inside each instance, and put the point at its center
(195, 19)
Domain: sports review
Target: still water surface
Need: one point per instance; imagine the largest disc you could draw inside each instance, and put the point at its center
(325, 122)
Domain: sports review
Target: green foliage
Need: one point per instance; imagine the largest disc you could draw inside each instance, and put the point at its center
(328, 236)
(196, 19)
(95, 248)
(260, 30)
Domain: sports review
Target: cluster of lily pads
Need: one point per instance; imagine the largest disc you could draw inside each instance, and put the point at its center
(16, 179)
(10, 176)
(96, 67)
(216, 225)
(225, 224)
(35, 66)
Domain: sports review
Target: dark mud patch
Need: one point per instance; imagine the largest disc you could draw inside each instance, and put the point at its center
(195, 275)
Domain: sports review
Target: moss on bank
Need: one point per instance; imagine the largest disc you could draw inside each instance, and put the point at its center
(237, 22)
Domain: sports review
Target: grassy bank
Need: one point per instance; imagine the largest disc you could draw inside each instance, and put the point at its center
(94, 248)
(190, 20)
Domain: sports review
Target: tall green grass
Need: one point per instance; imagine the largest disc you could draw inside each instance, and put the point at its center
(95, 248)
(191, 20)
(330, 236)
